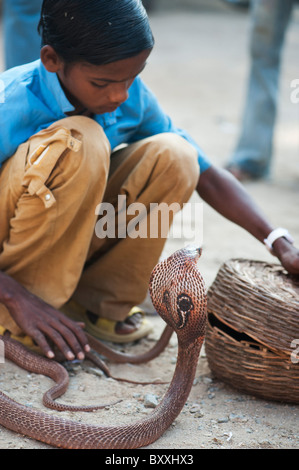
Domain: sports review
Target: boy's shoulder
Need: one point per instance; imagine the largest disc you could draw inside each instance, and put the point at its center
(19, 78)
(22, 72)
(21, 104)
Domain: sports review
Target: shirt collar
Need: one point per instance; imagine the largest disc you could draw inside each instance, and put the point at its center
(109, 118)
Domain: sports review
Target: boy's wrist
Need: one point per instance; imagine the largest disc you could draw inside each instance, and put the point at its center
(10, 290)
(273, 240)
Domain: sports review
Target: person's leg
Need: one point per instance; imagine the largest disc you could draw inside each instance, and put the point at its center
(21, 39)
(48, 193)
(159, 169)
(254, 149)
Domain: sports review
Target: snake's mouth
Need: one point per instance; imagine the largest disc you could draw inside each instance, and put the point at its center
(193, 251)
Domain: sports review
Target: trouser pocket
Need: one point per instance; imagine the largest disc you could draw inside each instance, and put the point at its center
(45, 149)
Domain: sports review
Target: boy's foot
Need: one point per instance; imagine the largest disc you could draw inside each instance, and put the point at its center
(130, 324)
(134, 327)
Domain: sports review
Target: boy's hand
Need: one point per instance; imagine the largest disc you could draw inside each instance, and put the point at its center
(287, 254)
(42, 322)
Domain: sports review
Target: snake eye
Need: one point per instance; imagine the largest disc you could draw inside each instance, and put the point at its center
(166, 297)
(185, 303)
(166, 301)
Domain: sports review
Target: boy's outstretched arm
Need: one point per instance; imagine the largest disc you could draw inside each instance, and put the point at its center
(218, 188)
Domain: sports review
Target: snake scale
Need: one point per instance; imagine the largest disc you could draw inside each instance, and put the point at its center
(178, 294)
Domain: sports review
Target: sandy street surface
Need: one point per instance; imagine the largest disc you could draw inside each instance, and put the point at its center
(198, 71)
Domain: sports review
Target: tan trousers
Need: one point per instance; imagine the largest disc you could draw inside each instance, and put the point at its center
(49, 191)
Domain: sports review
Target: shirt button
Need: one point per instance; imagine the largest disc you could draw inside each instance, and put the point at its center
(47, 197)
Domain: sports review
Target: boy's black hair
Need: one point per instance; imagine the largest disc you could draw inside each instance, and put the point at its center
(95, 31)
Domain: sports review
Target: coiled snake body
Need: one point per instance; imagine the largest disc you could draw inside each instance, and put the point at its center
(178, 294)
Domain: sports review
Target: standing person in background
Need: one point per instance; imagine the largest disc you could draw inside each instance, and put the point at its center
(21, 39)
(252, 156)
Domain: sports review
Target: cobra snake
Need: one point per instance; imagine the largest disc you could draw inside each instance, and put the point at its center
(178, 294)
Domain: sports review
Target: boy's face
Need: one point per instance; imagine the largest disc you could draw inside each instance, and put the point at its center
(97, 89)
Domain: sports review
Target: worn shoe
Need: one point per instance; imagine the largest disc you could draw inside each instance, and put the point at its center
(103, 328)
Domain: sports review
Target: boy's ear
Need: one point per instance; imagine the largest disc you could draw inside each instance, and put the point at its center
(50, 59)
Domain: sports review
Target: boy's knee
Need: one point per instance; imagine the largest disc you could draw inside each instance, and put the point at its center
(72, 152)
(91, 157)
(178, 156)
(83, 125)
(88, 132)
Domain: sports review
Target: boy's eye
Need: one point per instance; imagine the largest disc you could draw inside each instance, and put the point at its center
(97, 85)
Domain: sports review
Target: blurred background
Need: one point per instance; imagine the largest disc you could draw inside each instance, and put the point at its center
(199, 71)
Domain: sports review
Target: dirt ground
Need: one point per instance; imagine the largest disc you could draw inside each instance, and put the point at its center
(198, 70)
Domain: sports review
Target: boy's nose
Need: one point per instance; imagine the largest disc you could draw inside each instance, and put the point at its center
(119, 93)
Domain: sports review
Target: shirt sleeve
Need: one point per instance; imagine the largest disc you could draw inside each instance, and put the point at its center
(17, 112)
(156, 121)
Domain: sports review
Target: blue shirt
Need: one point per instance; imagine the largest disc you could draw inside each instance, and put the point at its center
(32, 99)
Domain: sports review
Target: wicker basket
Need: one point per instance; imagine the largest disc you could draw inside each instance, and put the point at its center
(253, 320)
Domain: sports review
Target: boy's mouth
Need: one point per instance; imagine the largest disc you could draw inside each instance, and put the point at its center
(107, 109)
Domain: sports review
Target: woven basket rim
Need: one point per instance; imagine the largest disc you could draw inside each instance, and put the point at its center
(277, 269)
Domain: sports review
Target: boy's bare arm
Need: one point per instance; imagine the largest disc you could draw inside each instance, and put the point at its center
(42, 322)
(228, 197)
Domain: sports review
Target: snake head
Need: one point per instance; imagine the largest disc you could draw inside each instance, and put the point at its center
(178, 293)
